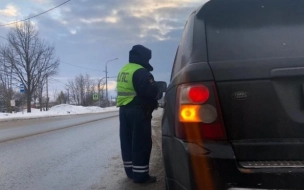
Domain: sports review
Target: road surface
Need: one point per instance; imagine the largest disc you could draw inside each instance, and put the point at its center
(75, 155)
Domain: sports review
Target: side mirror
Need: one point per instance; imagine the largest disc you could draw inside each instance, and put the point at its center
(162, 86)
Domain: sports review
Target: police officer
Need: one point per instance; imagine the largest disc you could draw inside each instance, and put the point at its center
(137, 96)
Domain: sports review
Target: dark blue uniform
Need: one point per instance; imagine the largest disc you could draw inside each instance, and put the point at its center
(135, 118)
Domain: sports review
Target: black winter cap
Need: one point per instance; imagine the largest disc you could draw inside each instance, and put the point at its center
(141, 55)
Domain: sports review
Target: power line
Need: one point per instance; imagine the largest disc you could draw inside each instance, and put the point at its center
(36, 15)
(57, 81)
(81, 67)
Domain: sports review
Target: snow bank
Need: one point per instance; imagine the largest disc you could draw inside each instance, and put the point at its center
(59, 110)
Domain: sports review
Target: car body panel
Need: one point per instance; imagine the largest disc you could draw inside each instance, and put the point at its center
(253, 51)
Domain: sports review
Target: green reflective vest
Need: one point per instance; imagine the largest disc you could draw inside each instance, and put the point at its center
(125, 88)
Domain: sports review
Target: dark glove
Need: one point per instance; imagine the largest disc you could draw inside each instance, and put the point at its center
(149, 108)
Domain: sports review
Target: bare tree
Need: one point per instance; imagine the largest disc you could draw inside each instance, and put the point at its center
(55, 94)
(80, 82)
(102, 94)
(32, 59)
(90, 85)
(39, 91)
(82, 88)
(73, 89)
(61, 98)
(6, 90)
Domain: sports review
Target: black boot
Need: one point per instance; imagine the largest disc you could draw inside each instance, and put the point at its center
(150, 179)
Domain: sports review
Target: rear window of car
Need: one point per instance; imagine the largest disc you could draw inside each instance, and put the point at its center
(249, 32)
(184, 51)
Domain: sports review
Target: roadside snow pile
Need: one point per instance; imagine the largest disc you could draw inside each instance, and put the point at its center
(70, 109)
(34, 114)
(60, 110)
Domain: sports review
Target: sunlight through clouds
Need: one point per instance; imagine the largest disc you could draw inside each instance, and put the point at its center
(112, 85)
(109, 19)
(73, 31)
(41, 1)
(9, 11)
(87, 33)
(152, 7)
(159, 11)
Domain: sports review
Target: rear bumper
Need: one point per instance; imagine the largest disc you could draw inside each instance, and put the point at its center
(213, 166)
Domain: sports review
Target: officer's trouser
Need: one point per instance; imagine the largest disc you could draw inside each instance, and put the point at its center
(135, 141)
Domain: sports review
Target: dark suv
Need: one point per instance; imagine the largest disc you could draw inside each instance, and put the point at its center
(234, 108)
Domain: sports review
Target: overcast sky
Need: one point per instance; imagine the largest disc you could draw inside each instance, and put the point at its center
(88, 33)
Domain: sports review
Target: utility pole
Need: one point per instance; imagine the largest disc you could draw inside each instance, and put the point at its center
(106, 85)
(99, 88)
(22, 103)
(99, 91)
(107, 99)
(40, 95)
(47, 93)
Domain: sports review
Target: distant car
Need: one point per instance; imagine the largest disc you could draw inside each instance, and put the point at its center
(234, 108)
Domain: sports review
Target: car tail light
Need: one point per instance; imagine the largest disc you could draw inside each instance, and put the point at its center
(198, 94)
(199, 115)
(189, 113)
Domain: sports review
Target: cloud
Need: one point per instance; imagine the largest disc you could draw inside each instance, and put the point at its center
(41, 1)
(138, 19)
(109, 28)
(97, 20)
(9, 11)
(88, 33)
(103, 21)
(160, 17)
(112, 85)
(73, 31)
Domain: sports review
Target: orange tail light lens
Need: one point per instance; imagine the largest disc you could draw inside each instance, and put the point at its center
(189, 113)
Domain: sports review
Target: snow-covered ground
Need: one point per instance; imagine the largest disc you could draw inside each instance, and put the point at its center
(60, 110)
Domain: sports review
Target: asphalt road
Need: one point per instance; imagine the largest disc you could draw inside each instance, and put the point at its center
(78, 152)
